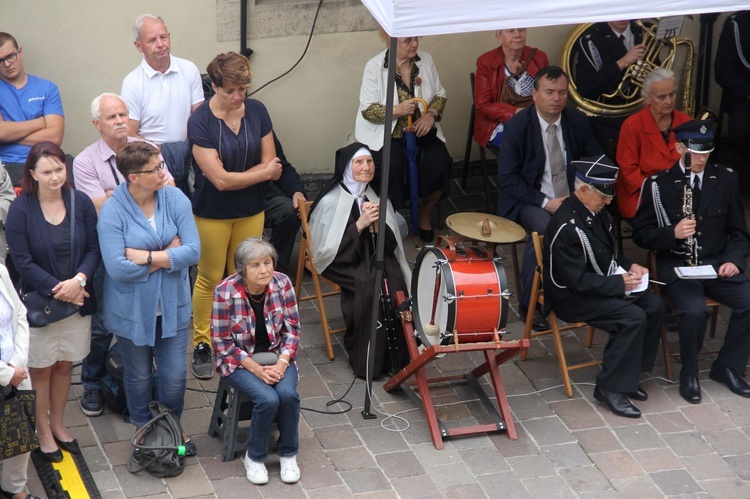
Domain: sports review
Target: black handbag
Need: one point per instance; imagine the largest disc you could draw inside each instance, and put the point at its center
(159, 447)
(42, 310)
(17, 422)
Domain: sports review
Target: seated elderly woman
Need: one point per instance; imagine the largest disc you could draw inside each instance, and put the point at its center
(416, 76)
(148, 241)
(503, 84)
(647, 143)
(342, 221)
(255, 333)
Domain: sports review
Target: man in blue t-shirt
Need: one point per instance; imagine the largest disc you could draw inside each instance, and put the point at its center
(30, 109)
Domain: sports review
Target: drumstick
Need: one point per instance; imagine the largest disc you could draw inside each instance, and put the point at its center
(431, 329)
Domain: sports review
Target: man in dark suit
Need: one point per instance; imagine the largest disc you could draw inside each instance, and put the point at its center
(585, 279)
(604, 52)
(733, 75)
(719, 239)
(534, 167)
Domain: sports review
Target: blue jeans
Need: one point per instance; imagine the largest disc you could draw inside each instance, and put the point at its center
(93, 368)
(138, 362)
(280, 400)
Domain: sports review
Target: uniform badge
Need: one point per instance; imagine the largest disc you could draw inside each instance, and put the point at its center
(704, 129)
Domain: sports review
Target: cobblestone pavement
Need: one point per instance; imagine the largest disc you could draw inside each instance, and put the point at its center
(565, 448)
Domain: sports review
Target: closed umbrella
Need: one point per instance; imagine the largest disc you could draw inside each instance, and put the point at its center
(412, 155)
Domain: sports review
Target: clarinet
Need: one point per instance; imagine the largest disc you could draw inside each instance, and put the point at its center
(691, 243)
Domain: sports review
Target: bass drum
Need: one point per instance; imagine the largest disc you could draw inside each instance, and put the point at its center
(469, 290)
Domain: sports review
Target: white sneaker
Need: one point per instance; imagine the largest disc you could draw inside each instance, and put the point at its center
(256, 472)
(289, 469)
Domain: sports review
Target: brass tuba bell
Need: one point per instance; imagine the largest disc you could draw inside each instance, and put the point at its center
(626, 98)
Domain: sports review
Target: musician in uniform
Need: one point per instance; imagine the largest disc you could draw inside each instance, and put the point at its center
(585, 279)
(733, 75)
(605, 51)
(719, 237)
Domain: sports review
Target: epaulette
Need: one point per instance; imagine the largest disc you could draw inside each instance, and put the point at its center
(725, 168)
(660, 174)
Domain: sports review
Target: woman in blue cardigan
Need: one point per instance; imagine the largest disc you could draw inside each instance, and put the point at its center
(148, 241)
(38, 231)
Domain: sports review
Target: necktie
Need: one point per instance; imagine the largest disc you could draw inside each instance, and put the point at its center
(624, 42)
(696, 192)
(557, 163)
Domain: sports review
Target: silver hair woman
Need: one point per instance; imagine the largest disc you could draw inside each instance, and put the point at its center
(253, 249)
(254, 335)
(646, 143)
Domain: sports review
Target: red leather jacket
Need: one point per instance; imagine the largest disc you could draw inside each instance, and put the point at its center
(488, 83)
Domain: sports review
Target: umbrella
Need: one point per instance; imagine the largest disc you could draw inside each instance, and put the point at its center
(412, 153)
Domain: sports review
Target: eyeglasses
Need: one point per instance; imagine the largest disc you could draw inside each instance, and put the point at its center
(162, 166)
(409, 40)
(10, 59)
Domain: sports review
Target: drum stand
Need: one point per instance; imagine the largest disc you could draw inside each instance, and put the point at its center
(495, 353)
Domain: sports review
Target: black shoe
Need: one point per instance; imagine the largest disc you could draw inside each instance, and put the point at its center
(426, 235)
(71, 446)
(203, 366)
(639, 394)
(11, 495)
(190, 448)
(91, 402)
(618, 403)
(690, 389)
(53, 457)
(538, 322)
(728, 376)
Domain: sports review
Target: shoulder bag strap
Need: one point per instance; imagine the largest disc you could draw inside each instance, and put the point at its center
(72, 228)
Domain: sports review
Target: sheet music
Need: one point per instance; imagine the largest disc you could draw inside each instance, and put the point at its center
(697, 272)
(669, 27)
(643, 286)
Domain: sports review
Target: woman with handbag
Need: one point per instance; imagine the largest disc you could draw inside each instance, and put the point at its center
(503, 83)
(51, 232)
(14, 350)
(416, 76)
(255, 333)
(148, 240)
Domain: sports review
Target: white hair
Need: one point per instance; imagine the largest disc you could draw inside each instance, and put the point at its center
(96, 106)
(138, 24)
(578, 183)
(658, 74)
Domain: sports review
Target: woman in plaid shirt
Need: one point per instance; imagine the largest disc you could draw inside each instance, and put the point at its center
(255, 318)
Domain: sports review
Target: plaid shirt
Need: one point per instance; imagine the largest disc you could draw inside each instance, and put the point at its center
(233, 321)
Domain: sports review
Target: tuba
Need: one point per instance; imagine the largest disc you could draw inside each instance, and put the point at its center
(626, 98)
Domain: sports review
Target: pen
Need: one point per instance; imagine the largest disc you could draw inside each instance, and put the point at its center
(657, 282)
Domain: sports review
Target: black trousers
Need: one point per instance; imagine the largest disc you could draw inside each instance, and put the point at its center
(739, 129)
(282, 219)
(688, 298)
(634, 334)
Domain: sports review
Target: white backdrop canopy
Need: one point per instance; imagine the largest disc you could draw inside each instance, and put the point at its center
(438, 17)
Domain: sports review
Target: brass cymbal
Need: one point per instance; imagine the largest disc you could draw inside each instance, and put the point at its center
(484, 227)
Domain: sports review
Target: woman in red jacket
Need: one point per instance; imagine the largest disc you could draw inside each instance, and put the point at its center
(512, 60)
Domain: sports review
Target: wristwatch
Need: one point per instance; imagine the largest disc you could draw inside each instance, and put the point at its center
(81, 281)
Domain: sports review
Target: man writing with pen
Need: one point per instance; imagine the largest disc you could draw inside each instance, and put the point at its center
(718, 240)
(585, 279)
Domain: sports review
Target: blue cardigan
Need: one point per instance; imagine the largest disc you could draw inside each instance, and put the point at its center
(30, 243)
(131, 293)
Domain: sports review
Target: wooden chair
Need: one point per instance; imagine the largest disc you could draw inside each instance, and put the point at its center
(710, 303)
(482, 153)
(537, 298)
(305, 262)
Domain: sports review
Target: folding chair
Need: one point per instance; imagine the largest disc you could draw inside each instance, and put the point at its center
(710, 303)
(305, 262)
(537, 297)
(482, 154)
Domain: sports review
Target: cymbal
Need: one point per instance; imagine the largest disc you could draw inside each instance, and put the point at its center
(484, 227)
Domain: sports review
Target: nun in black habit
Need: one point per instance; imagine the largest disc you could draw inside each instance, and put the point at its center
(342, 220)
